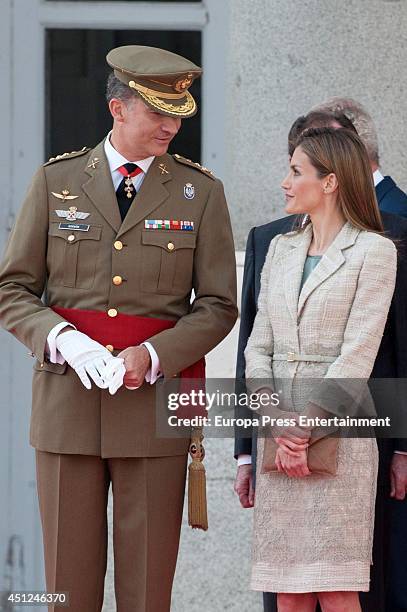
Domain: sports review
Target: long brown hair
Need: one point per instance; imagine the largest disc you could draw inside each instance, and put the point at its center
(341, 152)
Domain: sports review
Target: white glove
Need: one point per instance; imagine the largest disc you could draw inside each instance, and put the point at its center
(113, 373)
(88, 358)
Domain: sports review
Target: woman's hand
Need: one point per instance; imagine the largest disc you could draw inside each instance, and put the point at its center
(295, 467)
(293, 439)
(293, 443)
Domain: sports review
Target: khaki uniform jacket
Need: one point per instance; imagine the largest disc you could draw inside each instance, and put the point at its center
(42, 268)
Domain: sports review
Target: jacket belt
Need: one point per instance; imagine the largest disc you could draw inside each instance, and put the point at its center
(303, 357)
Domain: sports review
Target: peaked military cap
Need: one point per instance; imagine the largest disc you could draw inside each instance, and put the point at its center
(159, 77)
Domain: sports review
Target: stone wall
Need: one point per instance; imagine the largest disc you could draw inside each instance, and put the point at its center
(285, 57)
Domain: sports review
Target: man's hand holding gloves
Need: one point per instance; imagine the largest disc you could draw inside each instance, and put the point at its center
(91, 361)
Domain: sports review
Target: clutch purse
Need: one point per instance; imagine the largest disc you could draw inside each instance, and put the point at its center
(322, 456)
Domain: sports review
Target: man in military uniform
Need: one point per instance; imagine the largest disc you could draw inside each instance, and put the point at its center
(118, 237)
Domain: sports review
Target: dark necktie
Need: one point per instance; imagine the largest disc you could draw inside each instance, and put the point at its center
(125, 192)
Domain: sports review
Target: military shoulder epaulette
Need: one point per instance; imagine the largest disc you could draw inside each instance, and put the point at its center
(189, 162)
(67, 155)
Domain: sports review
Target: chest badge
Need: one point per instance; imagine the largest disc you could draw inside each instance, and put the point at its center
(189, 191)
(72, 214)
(64, 195)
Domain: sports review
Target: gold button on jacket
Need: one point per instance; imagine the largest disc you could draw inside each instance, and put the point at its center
(66, 417)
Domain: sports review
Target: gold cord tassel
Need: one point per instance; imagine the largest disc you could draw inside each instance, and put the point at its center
(197, 505)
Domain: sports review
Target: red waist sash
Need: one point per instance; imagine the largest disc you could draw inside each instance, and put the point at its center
(123, 331)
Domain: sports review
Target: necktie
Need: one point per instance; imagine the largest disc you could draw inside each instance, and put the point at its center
(125, 192)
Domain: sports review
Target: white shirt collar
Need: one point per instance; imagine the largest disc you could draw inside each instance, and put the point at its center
(377, 177)
(116, 159)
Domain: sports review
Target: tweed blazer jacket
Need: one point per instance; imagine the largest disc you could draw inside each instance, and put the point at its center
(340, 313)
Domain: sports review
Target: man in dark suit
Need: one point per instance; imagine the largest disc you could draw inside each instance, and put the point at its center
(390, 197)
(387, 592)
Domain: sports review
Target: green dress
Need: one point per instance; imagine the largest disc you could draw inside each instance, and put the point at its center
(310, 264)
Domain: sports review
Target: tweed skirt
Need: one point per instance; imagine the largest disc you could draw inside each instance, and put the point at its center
(316, 533)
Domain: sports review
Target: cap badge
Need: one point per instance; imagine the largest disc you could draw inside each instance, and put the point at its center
(189, 191)
(182, 84)
(64, 195)
(72, 214)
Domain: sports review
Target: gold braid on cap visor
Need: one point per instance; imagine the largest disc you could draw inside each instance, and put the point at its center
(188, 108)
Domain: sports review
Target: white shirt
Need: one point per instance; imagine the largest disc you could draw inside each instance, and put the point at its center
(115, 161)
(377, 177)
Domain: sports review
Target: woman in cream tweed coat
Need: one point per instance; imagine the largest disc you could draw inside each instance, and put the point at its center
(325, 295)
